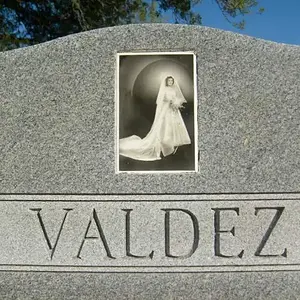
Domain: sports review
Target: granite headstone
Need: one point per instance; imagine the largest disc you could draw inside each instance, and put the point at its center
(210, 213)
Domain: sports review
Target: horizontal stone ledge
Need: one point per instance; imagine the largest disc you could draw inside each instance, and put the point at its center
(150, 233)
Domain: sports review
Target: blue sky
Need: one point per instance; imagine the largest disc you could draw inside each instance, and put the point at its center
(280, 22)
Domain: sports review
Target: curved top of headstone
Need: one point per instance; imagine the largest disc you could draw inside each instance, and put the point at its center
(58, 113)
(191, 33)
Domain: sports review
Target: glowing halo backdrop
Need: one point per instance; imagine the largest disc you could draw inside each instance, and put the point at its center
(139, 79)
(155, 72)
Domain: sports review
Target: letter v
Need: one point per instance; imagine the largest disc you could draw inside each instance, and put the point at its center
(49, 244)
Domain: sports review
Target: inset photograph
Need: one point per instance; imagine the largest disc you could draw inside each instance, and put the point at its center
(156, 109)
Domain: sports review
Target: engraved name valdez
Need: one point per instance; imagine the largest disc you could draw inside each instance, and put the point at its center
(124, 237)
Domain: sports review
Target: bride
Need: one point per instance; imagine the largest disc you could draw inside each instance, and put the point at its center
(168, 130)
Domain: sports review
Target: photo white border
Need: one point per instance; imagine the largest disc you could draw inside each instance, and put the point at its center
(117, 113)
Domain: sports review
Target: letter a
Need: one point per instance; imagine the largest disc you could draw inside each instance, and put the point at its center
(101, 233)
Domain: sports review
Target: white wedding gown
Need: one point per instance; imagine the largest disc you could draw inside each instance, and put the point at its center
(168, 130)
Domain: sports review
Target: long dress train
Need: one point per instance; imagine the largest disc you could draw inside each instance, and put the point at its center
(168, 130)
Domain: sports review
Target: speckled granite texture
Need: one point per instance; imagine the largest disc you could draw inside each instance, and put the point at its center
(58, 113)
(57, 120)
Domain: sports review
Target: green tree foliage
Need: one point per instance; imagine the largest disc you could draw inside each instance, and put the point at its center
(28, 22)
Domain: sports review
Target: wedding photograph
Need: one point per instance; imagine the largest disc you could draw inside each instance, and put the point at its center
(156, 112)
